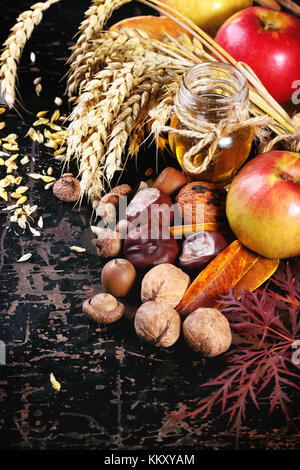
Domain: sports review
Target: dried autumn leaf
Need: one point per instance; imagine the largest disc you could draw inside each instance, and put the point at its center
(235, 267)
(222, 273)
(180, 230)
(259, 271)
(55, 384)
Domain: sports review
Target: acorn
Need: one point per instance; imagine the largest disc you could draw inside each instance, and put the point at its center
(67, 188)
(118, 277)
(103, 308)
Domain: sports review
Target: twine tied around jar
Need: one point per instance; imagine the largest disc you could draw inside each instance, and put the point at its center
(293, 140)
(205, 134)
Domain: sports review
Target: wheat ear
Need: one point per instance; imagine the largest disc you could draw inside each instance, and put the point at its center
(83, 64)
(133, 111)
(14, 45)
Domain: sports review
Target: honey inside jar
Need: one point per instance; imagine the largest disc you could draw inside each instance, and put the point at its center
(208, 92)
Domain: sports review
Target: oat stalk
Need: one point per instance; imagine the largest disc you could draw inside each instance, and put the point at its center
(14, 45)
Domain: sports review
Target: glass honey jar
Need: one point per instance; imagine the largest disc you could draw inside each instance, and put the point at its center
(209, 92)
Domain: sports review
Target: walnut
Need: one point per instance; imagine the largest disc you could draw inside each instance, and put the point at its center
(207, 330)
(200, 202)
(165, 282)
(103, 308)
(157, 323)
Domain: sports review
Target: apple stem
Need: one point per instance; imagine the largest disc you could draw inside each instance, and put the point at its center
(269, 26)
(287, 177)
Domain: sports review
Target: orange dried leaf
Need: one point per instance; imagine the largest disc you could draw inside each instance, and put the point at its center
(188, 229)
(222, 273)
(259, 272)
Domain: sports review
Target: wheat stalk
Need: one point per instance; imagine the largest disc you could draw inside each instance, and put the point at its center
(112, 102)
(83, 64)
(132, 113)
(14, 45)
(91, 119)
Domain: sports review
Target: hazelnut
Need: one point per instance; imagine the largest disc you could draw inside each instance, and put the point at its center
(118, 277)
(103, 308)
(157, 323)
(207, 330)
(165, 282)
(170, 181)
(200, 202)
(108, 243)
(67, 188)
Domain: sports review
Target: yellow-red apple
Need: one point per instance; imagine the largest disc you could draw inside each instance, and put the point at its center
(263, 204)
(268, 41)
(208, 14)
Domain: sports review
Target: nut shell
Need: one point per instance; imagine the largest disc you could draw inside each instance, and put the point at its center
(67, 189)
(165, 282)
(108, 243)
(157, 323)
(207, 330)
(103, 308)
(200, 202)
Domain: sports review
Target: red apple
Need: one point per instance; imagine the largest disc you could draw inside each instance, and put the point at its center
(263, 204)
(269, 42)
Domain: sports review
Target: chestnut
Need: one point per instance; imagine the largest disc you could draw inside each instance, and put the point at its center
(145, 252)
(118, 277)
(199, 248)
(170, 181)
(150, 206)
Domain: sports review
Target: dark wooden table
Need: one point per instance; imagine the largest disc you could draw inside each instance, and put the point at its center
(115, 391)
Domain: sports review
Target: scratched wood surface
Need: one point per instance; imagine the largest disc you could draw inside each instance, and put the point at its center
(116, 392)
